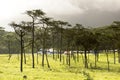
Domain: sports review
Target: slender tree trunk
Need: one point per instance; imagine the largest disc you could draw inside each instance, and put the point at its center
(77, 55)
(88, 56)
(43, 53)
(95, 60)
(118, 56)
(56, 56)
(114, 56)
(97, 55)
(21, 63)
(61, 45)
(68, 53)
(53, 48)
(86, 62)
(37, 58)
(95, 52)
(63, 59)
(37, 54)
(47, 61)
(72, 55)
(33, 29)
(58, 53)
(43, 58)
(82, 58)
(69, 58)
(53, 54)
(107, 60)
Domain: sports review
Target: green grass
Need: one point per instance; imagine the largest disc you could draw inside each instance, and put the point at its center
(10, 69)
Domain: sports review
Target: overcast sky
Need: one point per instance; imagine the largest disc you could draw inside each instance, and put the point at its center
(87, 12)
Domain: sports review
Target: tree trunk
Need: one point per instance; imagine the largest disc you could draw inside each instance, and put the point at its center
(61, 45)
(63, 60)
(21, 63)
(58, 54)
(37, 58)
(69, 58)
(95, 60)
(53, 48)
(73, 56)
(95, 53)
(88, 56)
(107, 60)
(47, 61)
(82, 58)
(43, 58)
(86, 63)
(33, 29)
(43, 53)
(68, 54)
(114, 56)
(118, 56)
(77, 55)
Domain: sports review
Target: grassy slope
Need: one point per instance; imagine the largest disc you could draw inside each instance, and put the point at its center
(9, 70)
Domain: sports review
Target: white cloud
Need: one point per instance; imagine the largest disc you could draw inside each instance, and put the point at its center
(13, 9)
(63, 7)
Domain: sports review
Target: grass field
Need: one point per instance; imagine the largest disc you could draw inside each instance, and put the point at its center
(10, 69)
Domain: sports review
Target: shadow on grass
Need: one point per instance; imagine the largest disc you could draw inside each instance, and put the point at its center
(1, 72)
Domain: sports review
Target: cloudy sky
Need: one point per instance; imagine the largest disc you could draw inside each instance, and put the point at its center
(87, 12)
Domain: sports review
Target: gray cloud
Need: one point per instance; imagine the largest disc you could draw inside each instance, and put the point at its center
(95, 13)
(87, 12)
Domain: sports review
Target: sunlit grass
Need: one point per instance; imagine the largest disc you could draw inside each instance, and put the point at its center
(10, 69)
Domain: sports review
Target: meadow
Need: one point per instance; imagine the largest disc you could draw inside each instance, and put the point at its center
(10, 69)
